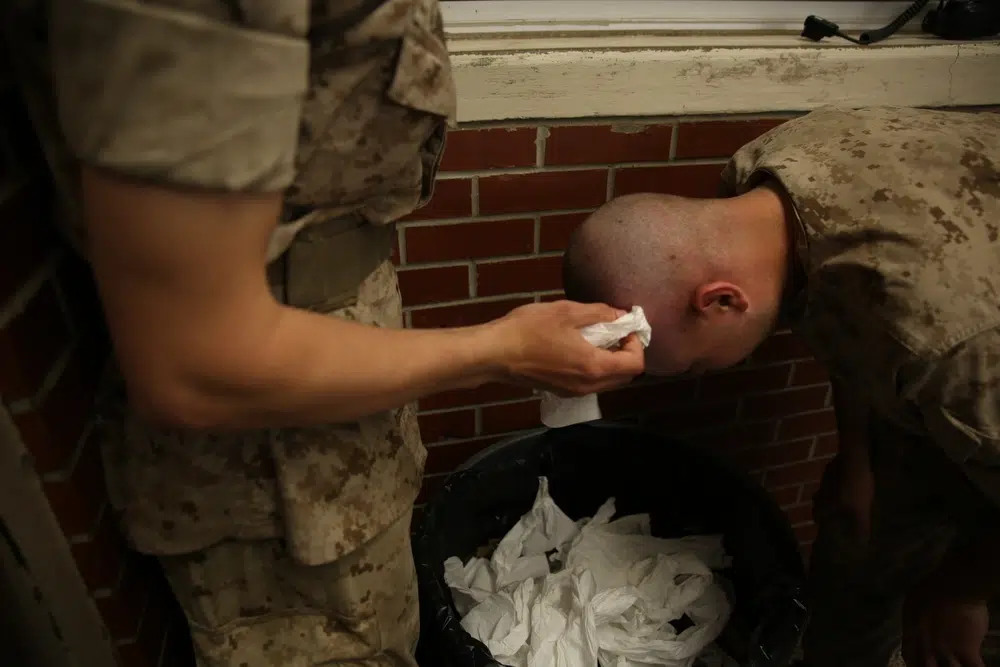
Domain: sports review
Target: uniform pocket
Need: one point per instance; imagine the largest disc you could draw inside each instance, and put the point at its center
(374, 123)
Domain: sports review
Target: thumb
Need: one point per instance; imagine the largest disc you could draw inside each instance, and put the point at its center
(584, 314)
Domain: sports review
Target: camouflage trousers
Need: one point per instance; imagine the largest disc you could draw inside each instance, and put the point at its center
(857, 590)
(249, 605)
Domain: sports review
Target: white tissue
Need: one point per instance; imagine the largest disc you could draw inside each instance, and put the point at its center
(558, 412)
(610, 603)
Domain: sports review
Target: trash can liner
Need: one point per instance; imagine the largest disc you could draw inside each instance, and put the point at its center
(685, 490)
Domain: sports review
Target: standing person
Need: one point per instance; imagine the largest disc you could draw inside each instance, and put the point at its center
(232, 169)
(874, 233)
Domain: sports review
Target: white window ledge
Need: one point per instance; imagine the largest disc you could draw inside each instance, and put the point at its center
(517, 63)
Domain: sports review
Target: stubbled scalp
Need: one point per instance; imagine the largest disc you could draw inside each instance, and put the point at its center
(640, 249)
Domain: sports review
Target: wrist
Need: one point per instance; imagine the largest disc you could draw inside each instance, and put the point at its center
(491, 352)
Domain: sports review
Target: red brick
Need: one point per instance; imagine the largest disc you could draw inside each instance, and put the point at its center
(493, 148)
(78, 500)
(692, 180)
(472, 240)
(520, 275)
(432, 484)
(645, 397)
(826, 445)
(452, 425)
(452, 199)
(556, 229)
(797, 473)
(511, 417)
(100, 559)
(52, 432)
(26, 234)
(758, 458)
(31, 344)
(603, 144)
(466, 314)
(542, 191)
(808, 491)
(745, 381)
(809, 372)
(806, 534)
(786, 496)
(780, 404)
(701, 417)
(487, 393)
(395, 250)
(423, 286)
(810, 423)
(720, 138)
(799, 514)
(784, 346)
(445, 458)
(743, 435)
(805, 551)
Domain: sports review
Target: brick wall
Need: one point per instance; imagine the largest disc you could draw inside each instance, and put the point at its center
(491, 239)
(52, 347)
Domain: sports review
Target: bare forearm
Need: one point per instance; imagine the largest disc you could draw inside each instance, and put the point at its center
(312, 369)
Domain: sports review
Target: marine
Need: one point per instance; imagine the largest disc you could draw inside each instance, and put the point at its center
(871, 233)
(232, 171)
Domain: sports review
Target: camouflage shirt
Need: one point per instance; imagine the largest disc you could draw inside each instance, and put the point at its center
(343, 105)
(900, 214)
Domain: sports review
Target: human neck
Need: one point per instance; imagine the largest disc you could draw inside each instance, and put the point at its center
(763, 235)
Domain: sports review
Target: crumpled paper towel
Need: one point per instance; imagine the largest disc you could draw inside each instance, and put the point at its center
(605, 596)
(558, 412)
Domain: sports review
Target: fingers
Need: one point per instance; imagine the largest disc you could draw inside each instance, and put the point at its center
(584, 314)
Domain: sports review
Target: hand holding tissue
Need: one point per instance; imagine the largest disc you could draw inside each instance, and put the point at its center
(558, 412)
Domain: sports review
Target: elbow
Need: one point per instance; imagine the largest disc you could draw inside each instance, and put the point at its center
(179, 404)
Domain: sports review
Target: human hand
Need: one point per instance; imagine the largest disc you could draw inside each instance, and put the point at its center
(941, 630)
(847, 493)
(541, 347)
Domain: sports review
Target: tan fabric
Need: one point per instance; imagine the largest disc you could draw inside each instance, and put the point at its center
(285, 546)
(857, 591)
(901, 209)
(250, 604)
(326, 490)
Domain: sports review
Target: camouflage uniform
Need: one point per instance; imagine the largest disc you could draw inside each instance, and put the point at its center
(899, 213)
(287, 546)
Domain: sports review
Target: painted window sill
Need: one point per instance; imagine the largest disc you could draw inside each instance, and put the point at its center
(517, 77)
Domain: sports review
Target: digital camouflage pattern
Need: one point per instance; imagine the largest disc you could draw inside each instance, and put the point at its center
(899, 215)
(285, 546)
(271, 610)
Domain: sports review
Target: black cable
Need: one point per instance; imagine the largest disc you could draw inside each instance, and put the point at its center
(817, 28)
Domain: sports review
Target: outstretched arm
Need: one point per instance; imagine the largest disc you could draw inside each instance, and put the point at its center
(186, 116)
(203, 343)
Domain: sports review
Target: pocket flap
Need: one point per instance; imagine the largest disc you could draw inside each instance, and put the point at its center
(423, 78)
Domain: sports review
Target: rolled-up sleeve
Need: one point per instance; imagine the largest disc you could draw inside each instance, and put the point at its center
(180, 96)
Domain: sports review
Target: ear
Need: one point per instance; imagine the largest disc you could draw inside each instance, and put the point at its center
(719, 297)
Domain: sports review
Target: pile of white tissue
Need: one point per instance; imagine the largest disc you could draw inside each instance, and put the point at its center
(597, 592)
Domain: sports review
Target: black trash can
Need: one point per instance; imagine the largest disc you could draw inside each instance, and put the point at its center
(685, 490)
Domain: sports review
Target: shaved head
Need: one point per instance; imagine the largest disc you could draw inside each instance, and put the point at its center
(640, 249)
(707, 272)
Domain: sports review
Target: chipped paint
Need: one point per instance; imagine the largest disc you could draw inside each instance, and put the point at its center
(557, 78)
